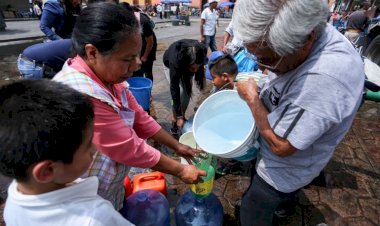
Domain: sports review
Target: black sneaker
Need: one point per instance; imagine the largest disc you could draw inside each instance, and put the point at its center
(175, 130)
(230, 167)
(285, 209)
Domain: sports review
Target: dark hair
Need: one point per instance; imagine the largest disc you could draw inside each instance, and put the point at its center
(193, 53)
(94, 1)
(126, 6)
(365, 4)
(40, 120)
(103, 25)
(223, 64)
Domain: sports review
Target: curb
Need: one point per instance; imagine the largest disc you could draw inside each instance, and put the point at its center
(22, 39)
(19, 19)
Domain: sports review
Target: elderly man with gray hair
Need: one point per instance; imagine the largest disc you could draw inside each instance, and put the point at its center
(307, 105)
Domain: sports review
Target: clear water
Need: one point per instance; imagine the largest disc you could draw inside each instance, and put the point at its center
(224, 132)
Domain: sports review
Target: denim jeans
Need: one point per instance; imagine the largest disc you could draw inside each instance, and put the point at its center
(28, 69)
(210, 42)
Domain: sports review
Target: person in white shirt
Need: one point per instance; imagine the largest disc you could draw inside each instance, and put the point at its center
(235, 45)
(209, 19)
(159, 10)
(46, 144)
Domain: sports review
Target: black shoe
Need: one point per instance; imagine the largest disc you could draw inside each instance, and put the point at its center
(285, 209)
(231, 167)
(175, 131)
(237, 207)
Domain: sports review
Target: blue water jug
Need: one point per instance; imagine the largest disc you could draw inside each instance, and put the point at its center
(194, 211)
(147, 208)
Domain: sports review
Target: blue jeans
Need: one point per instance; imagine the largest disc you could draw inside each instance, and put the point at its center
(210, 42)
(29, 69)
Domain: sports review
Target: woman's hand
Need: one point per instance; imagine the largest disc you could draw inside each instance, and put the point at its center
(186, 152)
(180, 122)
(191, 174)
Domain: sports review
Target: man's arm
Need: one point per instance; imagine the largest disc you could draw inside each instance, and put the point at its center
(46, 25)
(148, 48)
(202, 32)
(279, 146)
(226, 38)
(203, 21)
(147, 35)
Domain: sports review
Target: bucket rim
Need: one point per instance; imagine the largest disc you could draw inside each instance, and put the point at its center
(141, 79)
(232, 151)
(186, 134)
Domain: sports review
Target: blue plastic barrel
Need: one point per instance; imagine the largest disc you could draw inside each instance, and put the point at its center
(141, 89)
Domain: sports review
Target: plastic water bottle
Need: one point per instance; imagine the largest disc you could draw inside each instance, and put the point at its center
(147, 208)
(200, 206)
(204, 188)
(194, 211)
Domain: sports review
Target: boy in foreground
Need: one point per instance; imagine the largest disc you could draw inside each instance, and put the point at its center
(46, 131)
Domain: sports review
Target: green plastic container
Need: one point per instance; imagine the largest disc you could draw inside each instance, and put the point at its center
(204, 188)
(375, 96)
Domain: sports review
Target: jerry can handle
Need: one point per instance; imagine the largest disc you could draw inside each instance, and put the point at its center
(156, 176)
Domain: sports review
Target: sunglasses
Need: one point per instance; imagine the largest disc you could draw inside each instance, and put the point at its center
(268, 63)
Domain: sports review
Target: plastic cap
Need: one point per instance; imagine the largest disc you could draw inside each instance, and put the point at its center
(214, 55)
(142, 196)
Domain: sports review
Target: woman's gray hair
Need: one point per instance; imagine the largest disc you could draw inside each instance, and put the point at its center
(283, 24)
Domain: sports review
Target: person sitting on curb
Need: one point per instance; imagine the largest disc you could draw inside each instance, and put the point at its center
(44, 60)
(58, 18)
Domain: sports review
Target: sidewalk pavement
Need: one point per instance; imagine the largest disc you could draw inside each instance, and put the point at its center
(29, 29)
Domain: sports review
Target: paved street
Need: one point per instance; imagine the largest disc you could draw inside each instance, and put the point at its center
(347, 193)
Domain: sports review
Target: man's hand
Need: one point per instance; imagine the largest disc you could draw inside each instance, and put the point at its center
(248, 90)
(191, 174)
(202, 40)
(226, 50)
(186, 152)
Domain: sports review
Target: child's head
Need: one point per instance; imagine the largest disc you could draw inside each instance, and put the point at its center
(45, 132)
(223, 70)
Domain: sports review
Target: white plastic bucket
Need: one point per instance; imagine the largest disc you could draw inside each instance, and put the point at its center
(224, 126)
(187, 139)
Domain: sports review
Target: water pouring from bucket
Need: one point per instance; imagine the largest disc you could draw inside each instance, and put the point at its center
(224, 126)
